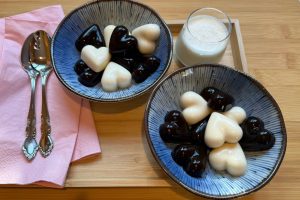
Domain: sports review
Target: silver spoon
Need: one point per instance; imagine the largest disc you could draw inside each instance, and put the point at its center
(41, 59)
(30, 146)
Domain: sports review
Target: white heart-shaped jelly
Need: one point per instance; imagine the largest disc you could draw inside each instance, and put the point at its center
(236, 113)
(221, 129)
(146, 36)
(115, 76)
(107, 34)
(229, 157)
(145, 46)
(195, 107)
(96, 59)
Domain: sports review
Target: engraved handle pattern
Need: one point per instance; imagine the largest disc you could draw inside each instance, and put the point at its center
(46, 142)
(30, 146)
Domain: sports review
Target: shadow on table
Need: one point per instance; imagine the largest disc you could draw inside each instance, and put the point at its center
(120, 106)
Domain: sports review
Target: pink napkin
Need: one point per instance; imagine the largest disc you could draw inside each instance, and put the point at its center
(73, 128)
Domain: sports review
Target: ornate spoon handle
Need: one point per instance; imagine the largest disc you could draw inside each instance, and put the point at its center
(30, 146)
(46, 143)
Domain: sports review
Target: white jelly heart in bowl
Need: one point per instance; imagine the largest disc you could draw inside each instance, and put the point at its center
(231, 169)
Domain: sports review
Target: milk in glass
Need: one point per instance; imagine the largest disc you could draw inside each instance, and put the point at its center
(203, 39)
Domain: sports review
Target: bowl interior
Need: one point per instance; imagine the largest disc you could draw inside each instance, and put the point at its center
(103, 13)
(248, 94)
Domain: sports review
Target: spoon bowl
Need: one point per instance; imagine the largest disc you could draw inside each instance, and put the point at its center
(25, 57)
(40, 51)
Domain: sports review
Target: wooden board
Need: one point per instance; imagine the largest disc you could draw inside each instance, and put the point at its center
(271, 35)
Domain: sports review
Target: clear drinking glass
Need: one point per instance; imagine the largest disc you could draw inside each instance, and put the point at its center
(204, 37)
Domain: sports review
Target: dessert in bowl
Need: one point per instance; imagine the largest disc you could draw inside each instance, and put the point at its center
(221, 145)
(95, 45)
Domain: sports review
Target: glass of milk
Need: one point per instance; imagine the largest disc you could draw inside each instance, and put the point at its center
(203, 38)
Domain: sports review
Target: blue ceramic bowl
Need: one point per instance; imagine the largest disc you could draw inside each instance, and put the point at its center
(248, 94)
(105, 12)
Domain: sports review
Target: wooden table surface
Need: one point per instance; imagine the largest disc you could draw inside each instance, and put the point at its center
(126, 169)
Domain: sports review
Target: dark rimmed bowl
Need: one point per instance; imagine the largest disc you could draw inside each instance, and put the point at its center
(105, 12)
(250, 95)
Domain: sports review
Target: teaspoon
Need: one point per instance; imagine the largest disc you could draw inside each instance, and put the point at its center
(30, 146)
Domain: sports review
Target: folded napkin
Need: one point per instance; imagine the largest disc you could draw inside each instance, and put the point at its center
(73, 129)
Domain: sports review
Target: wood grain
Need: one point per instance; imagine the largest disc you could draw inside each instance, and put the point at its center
(126, 168)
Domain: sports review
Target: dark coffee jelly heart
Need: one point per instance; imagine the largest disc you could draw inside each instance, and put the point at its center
(152, 63)
(91, 36)
(171, 132)
(177, 117)
(196, 165)
(140, 74)
(145, 69)
(80, 66)
(121, 43)
(181, 153)
(263, 140)
(198, 131)
(252, 125)
(220, 102)
(127, 63)
(255, 136)
(90, 78)
(217, 100)
(208, 92)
